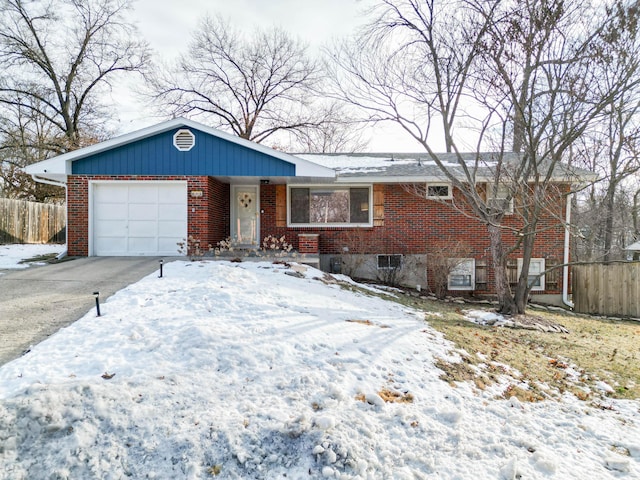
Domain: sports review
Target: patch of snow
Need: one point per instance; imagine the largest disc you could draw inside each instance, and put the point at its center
(238, 370)
(604, 387)
(484, 317)
(11, 255)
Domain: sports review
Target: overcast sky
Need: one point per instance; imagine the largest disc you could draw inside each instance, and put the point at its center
(167, 26)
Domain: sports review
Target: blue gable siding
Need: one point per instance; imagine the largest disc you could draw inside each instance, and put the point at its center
(156, 155)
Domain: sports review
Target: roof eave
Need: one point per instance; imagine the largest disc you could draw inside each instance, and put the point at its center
(62, 163)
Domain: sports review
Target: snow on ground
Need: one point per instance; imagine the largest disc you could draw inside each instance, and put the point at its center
(11, 255)
(241, 370)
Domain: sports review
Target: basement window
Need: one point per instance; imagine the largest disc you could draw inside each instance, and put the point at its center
(535, 278)
(462, 274)
(184, 140)
(389, 262)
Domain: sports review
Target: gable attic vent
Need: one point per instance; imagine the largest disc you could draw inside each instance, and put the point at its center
(184, 140)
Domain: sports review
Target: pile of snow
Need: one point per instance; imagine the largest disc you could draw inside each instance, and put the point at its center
(247, 371)
(12, 255)
(484, 317)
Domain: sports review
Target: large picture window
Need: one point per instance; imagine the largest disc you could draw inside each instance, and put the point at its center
(329, 205)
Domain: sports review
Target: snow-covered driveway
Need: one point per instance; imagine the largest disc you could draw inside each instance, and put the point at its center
(245, 371)
(35, 302)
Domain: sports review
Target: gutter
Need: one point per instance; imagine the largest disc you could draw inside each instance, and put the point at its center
(565, 268)
(66, 220)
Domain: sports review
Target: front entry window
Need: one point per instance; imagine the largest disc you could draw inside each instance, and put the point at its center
(246, 208)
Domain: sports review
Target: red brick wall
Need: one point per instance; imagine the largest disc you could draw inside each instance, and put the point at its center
(412, 224)
(78, 216)
(219, 211)
(208, 215)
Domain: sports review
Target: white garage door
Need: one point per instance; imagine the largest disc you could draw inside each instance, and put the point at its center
(138, 218)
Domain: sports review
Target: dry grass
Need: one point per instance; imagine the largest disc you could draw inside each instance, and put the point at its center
(594, 349)
(366, 322)
(551, 364)
(391, 396)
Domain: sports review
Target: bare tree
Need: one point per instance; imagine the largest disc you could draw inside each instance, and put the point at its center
(58, 59)
(253, 86)
(527, 72)
(59, 56)
(614, 152)
(24, 135)
(337, 132)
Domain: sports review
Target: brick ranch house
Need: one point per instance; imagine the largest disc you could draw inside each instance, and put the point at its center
(144, 192)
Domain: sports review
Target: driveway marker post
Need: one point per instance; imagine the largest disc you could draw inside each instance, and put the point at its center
(97, 295)
(161, 263)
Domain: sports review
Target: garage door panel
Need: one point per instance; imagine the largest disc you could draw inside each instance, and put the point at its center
(145, 194)
(110, 194)
(138, 218)
(168, 246)
(110, 245)
(110, 228)
(172, 212)
(142, 212)
(174, 195)
(112, 211)
(169, 229)
(143, 228)
(143, 245)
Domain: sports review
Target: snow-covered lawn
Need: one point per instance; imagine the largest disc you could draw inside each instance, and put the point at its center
(241, 370)
(12, 255)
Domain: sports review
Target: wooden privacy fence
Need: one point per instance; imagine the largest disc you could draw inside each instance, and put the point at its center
(612, 290)
(31, 222)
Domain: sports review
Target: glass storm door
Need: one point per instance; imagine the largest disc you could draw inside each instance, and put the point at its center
(244, 228)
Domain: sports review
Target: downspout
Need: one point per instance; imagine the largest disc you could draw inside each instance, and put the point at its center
(567, 241)
(66, 220)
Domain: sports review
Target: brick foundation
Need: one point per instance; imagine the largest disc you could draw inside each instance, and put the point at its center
(308, 243)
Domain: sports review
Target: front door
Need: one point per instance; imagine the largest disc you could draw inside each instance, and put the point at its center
(244, 215)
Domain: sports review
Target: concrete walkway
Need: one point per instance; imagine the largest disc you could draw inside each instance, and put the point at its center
(38, 301)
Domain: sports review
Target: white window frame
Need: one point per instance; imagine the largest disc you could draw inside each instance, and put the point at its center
(501, 195)
(448, 196)
(541, 285)
(369, 223)
(388, 255)
(461, 270)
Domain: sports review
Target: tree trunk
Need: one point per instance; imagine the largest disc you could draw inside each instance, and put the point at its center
(608, 229)
(506, 303)
(521, 294)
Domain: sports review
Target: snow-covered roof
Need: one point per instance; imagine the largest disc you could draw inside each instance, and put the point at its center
(405, 167)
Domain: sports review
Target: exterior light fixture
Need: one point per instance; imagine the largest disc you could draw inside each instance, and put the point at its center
(97, 295)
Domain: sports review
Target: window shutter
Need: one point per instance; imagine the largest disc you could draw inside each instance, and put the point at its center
(512, 271)
(552, 278)
(378, 205)
(481, 274)
(281, 205)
